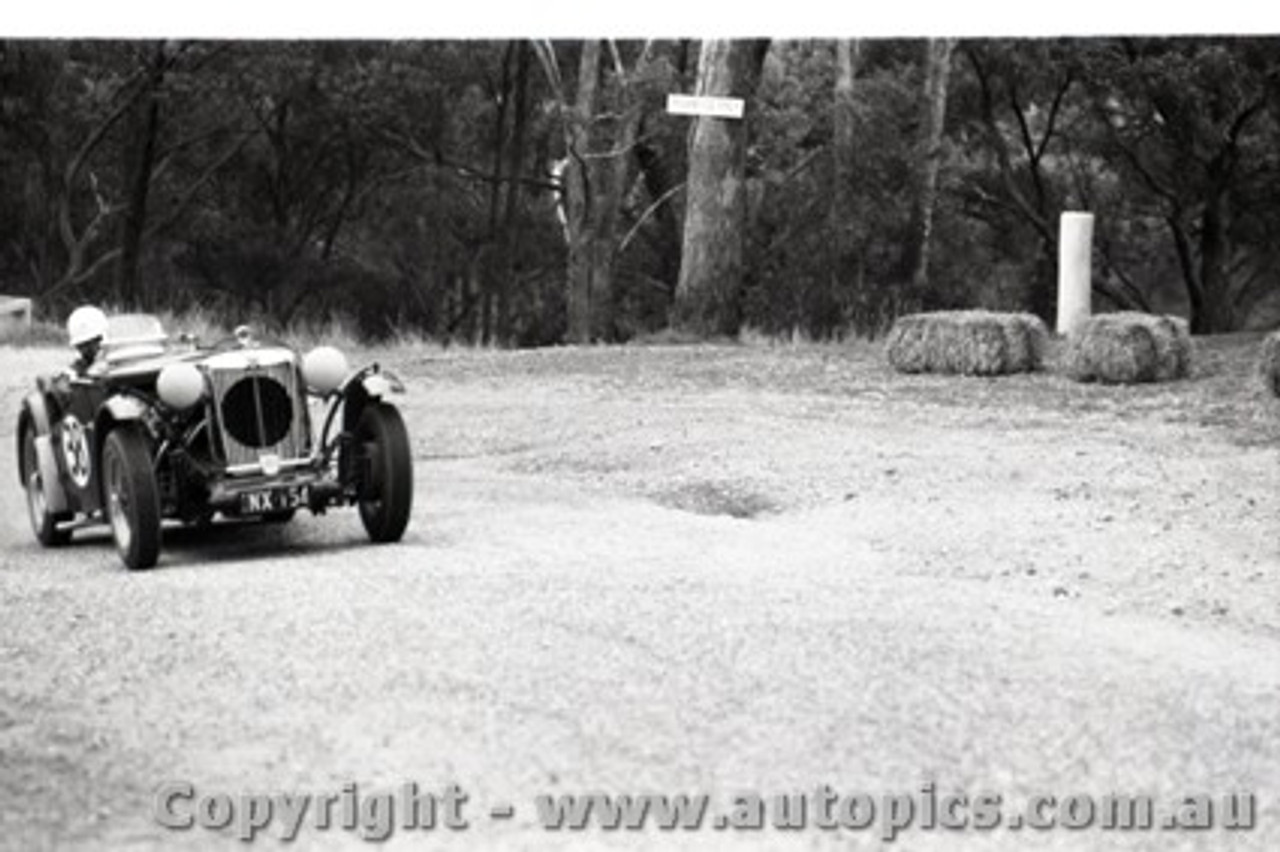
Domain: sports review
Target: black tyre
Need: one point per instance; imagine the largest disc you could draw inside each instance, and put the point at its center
(131, 496)
(386, 483)
(44, 523)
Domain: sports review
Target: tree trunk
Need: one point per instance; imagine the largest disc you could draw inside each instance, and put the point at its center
(845, 219)
(1208, 298)
(661, 188)
(578, 180)
(510, 225)
(615, 175)
(937, 75)
(1215, 314)
(708, 294)
(496, 219)
(139, 156)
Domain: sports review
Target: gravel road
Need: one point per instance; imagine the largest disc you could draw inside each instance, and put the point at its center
(682, 570)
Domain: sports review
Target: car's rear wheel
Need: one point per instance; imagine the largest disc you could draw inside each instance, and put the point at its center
(386, 487)
(44, 523)
(132, 496)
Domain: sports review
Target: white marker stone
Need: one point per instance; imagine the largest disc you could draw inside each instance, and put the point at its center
(1075, 269)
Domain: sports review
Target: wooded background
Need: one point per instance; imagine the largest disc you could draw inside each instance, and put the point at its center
(532, 192)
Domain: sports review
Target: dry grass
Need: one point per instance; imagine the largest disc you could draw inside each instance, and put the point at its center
(38, 333)
(1129, 348)
(208, 326)
(975, 343)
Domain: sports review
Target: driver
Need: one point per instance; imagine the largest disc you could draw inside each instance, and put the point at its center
(86, 328)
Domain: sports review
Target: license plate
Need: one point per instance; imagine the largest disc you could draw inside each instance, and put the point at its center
(274, 499)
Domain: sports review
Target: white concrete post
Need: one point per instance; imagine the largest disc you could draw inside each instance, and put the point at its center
(1075, 268)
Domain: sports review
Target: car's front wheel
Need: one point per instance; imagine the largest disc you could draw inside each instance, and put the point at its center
(386, 487)
(132, 496)
(44, 523)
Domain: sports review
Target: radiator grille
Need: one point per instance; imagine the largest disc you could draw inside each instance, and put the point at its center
(260, 411)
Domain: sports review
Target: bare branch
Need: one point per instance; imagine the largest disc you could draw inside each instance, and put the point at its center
(189, 194)
(996, 140)
(435, 158)
(1054, 109)
(644, 217)
(618, 67)
(100, 131)
(546, 54)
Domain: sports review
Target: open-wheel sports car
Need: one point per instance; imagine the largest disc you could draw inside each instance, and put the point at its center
(143, 429)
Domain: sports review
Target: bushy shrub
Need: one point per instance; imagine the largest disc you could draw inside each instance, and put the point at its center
(974, 343)
(1129, 348)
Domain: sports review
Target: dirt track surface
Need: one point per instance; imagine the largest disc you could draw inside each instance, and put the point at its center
(700, 570)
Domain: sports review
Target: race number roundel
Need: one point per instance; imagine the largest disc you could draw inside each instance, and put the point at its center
(75, 451)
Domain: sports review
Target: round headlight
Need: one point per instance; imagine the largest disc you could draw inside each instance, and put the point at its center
(324, 369)
(180, 385)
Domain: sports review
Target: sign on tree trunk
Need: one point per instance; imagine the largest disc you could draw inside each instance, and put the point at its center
(707, 295)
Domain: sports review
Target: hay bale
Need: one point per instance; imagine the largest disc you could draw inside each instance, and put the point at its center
(1028, 338)
(1129, 348)
(973, 343)
(906, 344)
(1173, 347)
(1269, 363)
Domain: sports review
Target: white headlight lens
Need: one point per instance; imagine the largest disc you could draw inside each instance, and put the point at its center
(180, 386)
(324, 369)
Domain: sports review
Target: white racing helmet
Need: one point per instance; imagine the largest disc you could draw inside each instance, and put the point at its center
(85, 323)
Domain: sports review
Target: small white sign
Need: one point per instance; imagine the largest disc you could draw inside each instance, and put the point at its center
(705, 105)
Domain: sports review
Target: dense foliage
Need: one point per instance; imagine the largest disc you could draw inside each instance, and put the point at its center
(461, 188)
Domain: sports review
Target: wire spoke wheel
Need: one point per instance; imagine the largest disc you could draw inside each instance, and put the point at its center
(118, 503)
(132, 497)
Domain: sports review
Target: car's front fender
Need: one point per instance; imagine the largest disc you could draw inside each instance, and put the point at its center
(34, 414)
(367, 384)
(117, 409)
(35, 417)
(120, 408)
(373, 382)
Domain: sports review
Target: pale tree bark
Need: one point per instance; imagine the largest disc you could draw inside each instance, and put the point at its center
(578, 191)
(845, 218)
(708, 294)
(601, 164)
(937, 76)
(616, 169)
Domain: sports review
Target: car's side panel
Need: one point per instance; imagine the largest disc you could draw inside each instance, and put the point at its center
(78, 440)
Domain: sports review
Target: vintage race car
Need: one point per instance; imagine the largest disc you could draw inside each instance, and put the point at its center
(156, 430)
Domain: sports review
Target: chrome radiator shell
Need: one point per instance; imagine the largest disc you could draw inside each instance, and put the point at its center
(259, 410)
